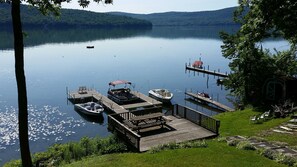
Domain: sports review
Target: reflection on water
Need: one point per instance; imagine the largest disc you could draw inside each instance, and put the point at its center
(208, 32)
(42, 36)
(45, 123)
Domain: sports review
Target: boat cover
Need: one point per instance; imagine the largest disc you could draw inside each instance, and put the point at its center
(197, 63)
(117, 82)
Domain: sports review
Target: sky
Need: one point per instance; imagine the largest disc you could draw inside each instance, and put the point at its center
(155, 6)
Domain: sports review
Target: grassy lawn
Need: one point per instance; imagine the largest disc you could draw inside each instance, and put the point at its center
(238, 123)
(216, 154)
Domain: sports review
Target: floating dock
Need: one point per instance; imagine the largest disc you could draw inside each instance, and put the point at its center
(207, 100)
(111, 105)
(203, 70)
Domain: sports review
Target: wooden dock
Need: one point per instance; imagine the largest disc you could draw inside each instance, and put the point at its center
(183, 125)
(203, 70)
(207, 100)
(111, 105)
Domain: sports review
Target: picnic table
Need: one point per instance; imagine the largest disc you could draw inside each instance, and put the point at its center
(146, 121)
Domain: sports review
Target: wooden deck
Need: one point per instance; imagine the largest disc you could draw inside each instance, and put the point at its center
(111, 105)
(178, 130)
(216, 73)
(215, 103)
(184, 124)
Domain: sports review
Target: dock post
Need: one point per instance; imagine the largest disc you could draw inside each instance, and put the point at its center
(218, 97)
(67, 94)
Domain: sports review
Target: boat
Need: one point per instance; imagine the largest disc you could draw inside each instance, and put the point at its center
(205, 95)
(89, 108)
(121, 95)
(162, 95)
(198, 64)
(90, 47)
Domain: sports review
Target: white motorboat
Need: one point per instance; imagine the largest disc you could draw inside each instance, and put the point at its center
(89, 108)
(162, 95)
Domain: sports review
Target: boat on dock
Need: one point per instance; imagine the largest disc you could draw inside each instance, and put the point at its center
(198, 64)
(121, 95)
(204, 95)
(162, 95)
(89, 108)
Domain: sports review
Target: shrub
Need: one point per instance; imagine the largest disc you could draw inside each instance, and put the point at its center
(66, 153)
(221, 139)
(245, 145)
(155, 149)
(268, 154)
(14, 163)
(284, 159)
(233, 142)
(171, 146)
(199, 144)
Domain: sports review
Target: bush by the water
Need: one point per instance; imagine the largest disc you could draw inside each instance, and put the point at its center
(65, 153)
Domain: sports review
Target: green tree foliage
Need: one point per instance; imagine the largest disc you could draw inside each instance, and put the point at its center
(45, 7)
(31, 17)
(252, 65)
(221, 17)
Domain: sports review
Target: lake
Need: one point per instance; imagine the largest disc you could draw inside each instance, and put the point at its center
(58, 59)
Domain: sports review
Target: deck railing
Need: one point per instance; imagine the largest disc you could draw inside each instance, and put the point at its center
(115, 125)
(198, 118)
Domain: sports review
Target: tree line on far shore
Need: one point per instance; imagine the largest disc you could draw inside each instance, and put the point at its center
(68, 18)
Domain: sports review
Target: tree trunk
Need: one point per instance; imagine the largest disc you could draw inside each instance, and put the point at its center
(21, 84)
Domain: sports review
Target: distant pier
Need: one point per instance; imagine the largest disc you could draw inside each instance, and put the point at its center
(207, 100)
(206, 71)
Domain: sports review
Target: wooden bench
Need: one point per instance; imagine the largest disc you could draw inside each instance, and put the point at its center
(82, 90)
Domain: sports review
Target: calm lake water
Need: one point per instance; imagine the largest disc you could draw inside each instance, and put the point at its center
(55, 60)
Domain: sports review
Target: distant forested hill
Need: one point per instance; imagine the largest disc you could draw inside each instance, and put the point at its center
(31, 17)
(204, 18)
